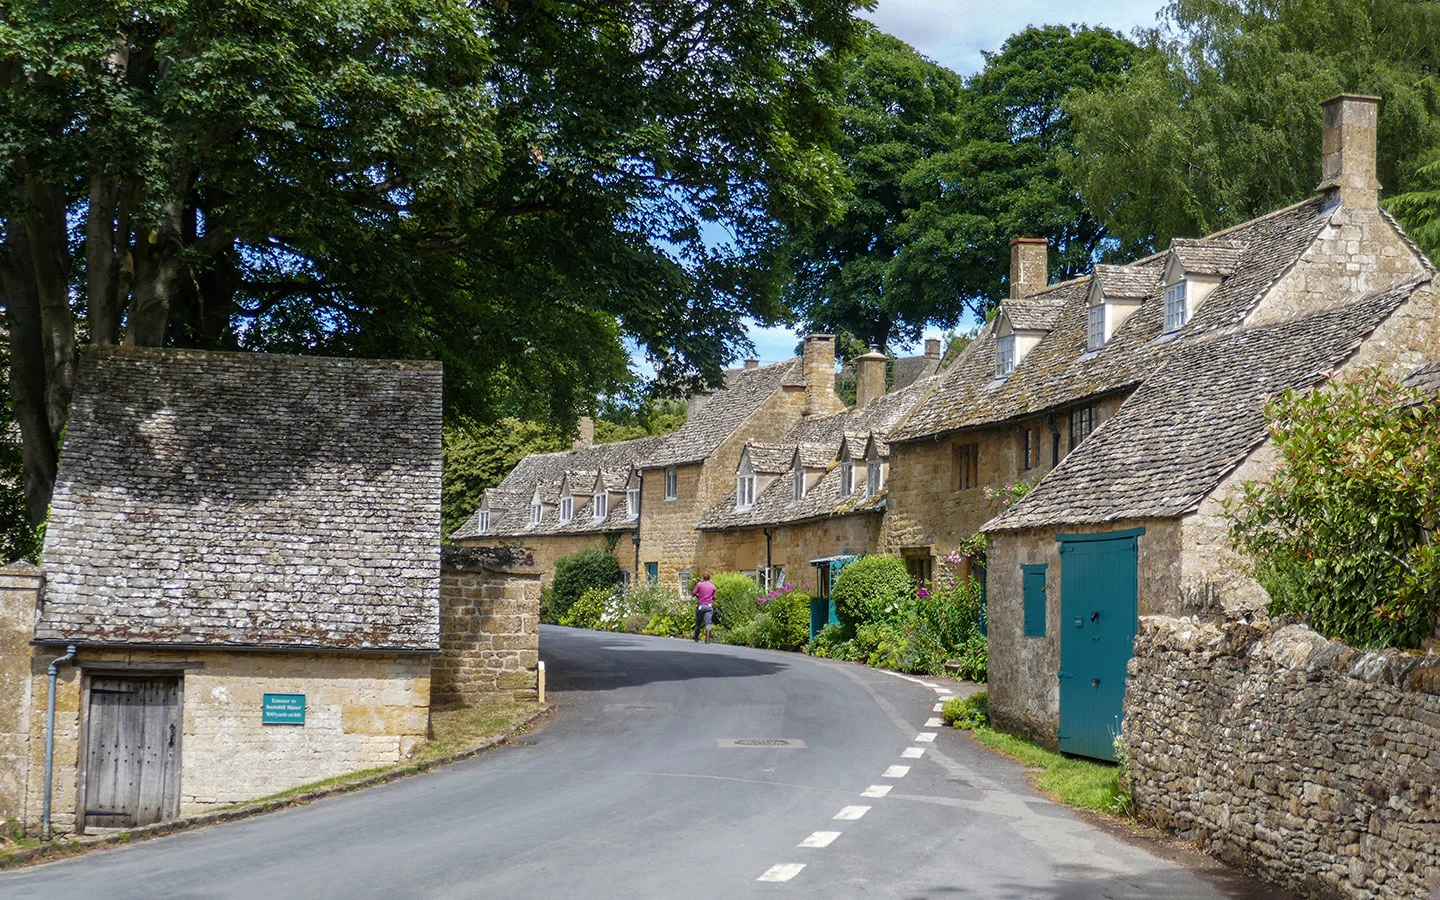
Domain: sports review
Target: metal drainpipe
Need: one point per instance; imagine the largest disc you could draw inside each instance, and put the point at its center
(768, 566)
(635, 538)
(53, 670)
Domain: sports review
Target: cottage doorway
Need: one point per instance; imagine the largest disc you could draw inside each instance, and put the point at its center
(1099, 612)
(131, 751)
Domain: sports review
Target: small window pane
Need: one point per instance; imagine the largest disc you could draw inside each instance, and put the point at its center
(1175, 309)
(1096, 326)
(672, 483)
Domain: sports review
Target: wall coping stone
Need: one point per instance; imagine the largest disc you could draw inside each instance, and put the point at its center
(513, 559)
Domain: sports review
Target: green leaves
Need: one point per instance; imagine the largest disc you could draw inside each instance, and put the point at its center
(1344, 535)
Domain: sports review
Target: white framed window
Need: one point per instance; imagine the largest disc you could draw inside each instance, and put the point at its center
(874, 476)
(632, 503)
(537, 512)
(484, 520)
(1005, 356)
(799, 485)
(847, 478)
(684, 576)
(745, 491)
(567, 508)
(774, 578)
(1095, 327)
(601, 506)
(1176, 311)
(672, 483)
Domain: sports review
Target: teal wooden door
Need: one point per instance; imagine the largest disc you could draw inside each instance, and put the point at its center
(1099, 611)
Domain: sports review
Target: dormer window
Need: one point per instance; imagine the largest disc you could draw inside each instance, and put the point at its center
(1176, 311)
(847, 478)
(567, 508)
(1095, 327)
(874, 477)
(632, 503)
(745, 491)
(537, 513)
(601, 506)
(484, 520)
(799, 484)
(1005, 356)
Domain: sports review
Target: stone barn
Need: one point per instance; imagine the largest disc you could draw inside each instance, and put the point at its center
(243, 552)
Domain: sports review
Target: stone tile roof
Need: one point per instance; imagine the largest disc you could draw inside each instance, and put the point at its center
(1135, 282)
(1194, 419)
(509, 502)
(1425, 378)
(1061, 371)
(724, 411)
(770, 459)
(1199, 256)
(906, 370)
(246, 500)
(819, 442)
(1034, 313)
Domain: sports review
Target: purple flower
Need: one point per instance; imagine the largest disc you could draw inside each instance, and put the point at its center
(922, 593)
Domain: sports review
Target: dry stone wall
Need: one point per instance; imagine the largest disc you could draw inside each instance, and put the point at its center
(1313, 763)
(19, 586)
(489, 626)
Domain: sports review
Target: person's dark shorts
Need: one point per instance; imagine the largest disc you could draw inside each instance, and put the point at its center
(703, 616)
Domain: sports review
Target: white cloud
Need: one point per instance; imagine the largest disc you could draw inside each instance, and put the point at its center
(953, 32)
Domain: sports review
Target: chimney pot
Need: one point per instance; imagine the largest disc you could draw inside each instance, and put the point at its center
(752, 363)
(1347, 150)
(869, 376)
(932, 348)
(1029, 266)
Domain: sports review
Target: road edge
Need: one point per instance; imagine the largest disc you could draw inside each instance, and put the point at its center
(64, 849)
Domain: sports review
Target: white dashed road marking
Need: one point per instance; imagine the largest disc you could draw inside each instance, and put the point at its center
(925, 737)
(896, 772)
(820, 839)
(911, 753)
(876, 790)
(851, 813)
(781, 872)
(933, 723)
(939, 707)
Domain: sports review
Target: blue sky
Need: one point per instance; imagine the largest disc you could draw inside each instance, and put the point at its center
(953, 33)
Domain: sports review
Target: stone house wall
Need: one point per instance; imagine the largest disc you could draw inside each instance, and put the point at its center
(489, 627)
(1280, 751)
(791, 546)
(362, 711)
(924, 507)
(545, 549)
(1024, 693)
(19, 586)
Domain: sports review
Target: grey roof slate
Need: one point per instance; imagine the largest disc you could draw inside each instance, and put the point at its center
(1128, 282)
(777, 506)
(770, 459)
(1061, 371)
(724, 411)
(1200, 256)
(245, 500)
(509, 502)
(906, 370)
(1035, 313)
(1194, 419)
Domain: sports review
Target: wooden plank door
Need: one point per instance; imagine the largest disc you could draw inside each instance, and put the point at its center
(1099, 600)
(132, 751)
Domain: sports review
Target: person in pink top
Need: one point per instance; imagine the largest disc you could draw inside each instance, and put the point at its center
(704, 594)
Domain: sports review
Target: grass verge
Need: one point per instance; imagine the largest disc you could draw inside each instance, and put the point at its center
(1081, 783)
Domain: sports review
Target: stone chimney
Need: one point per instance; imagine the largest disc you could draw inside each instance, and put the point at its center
(1347, 151)
(819, 362)
(587, 434)
(752, 363)
(870, 376)
(932, 349)
(1029, 266)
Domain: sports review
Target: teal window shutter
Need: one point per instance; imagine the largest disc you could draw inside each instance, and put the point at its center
(1034, 600)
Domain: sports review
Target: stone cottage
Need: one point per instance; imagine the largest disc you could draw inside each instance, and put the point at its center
(1176, 355)
(243, 552)
(655, 489)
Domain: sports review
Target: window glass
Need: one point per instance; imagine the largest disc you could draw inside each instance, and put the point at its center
(874, 477)
(847, 478)
(632, 502)
(799, 485)
(567, 508)
(1175, 311)
(1095, 331)
(537, 512)
(484, 520)
(602, 505)
(1082, 422)
(1005, 356)
(672, 483)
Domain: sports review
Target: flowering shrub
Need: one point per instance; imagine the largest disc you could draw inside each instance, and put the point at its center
(1010, 493)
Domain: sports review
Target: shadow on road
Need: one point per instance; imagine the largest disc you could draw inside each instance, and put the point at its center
(620, 664)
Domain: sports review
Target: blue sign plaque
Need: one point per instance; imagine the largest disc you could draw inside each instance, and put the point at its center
(283, 709)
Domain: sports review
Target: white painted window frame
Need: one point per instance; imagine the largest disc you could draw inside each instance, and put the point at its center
(1177, 313)
(672, 483)
(567, 509)
(1005, 356)
(600, 506)
(632, 503)
(847, 479)
(874, 477)
(1095, 326)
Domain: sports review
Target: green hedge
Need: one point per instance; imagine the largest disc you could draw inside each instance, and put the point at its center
(870, 589)
(593, 567)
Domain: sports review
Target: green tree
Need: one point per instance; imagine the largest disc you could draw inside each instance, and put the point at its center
(1419, 208)
(1008, 178)
(478, 455)
(1219, 121)
(512, 188)
(899, 109)
(1345, 535)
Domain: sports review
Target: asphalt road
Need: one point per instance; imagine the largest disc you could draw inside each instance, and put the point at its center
(631, 791)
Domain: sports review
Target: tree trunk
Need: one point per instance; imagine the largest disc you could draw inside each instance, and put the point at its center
(27, 373)
(50, 259)
(157, 278)
(105, 281)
